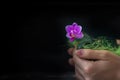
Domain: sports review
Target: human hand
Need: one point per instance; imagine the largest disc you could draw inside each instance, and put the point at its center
(118, 41)
(95, 64)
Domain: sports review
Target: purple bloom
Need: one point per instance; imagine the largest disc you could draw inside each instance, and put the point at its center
(74, 31)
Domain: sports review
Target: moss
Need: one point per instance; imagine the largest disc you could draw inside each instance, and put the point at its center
(98, 43)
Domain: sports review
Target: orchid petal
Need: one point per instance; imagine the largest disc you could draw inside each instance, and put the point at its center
(80, 35)
(68, 35)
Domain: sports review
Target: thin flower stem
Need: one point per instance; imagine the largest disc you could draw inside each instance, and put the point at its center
(76, 45)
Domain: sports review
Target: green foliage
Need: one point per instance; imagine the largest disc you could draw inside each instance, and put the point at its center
(118, 51)
(98, 43)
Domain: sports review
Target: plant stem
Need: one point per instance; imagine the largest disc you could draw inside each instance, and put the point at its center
(76, 45)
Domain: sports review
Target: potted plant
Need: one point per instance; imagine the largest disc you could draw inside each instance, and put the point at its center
(81, 40)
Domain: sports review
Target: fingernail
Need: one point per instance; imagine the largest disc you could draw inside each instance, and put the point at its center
(80, 52)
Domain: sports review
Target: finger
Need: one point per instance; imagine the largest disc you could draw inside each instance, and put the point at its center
(78, 77)
(71, 62)
(118, 41)
(81, 62)
(70, 51)
(85, 65)
(78, 74)
(94, 54)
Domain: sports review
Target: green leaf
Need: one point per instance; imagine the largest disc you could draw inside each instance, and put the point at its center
(118, 51)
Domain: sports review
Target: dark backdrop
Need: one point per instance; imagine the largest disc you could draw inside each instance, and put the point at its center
(36, 39)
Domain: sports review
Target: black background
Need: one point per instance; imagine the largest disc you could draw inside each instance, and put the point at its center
(35, 38)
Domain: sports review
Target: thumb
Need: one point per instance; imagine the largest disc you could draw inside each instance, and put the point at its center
(94, 54)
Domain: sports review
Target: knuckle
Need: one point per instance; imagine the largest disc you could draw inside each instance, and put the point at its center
(88, 69)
